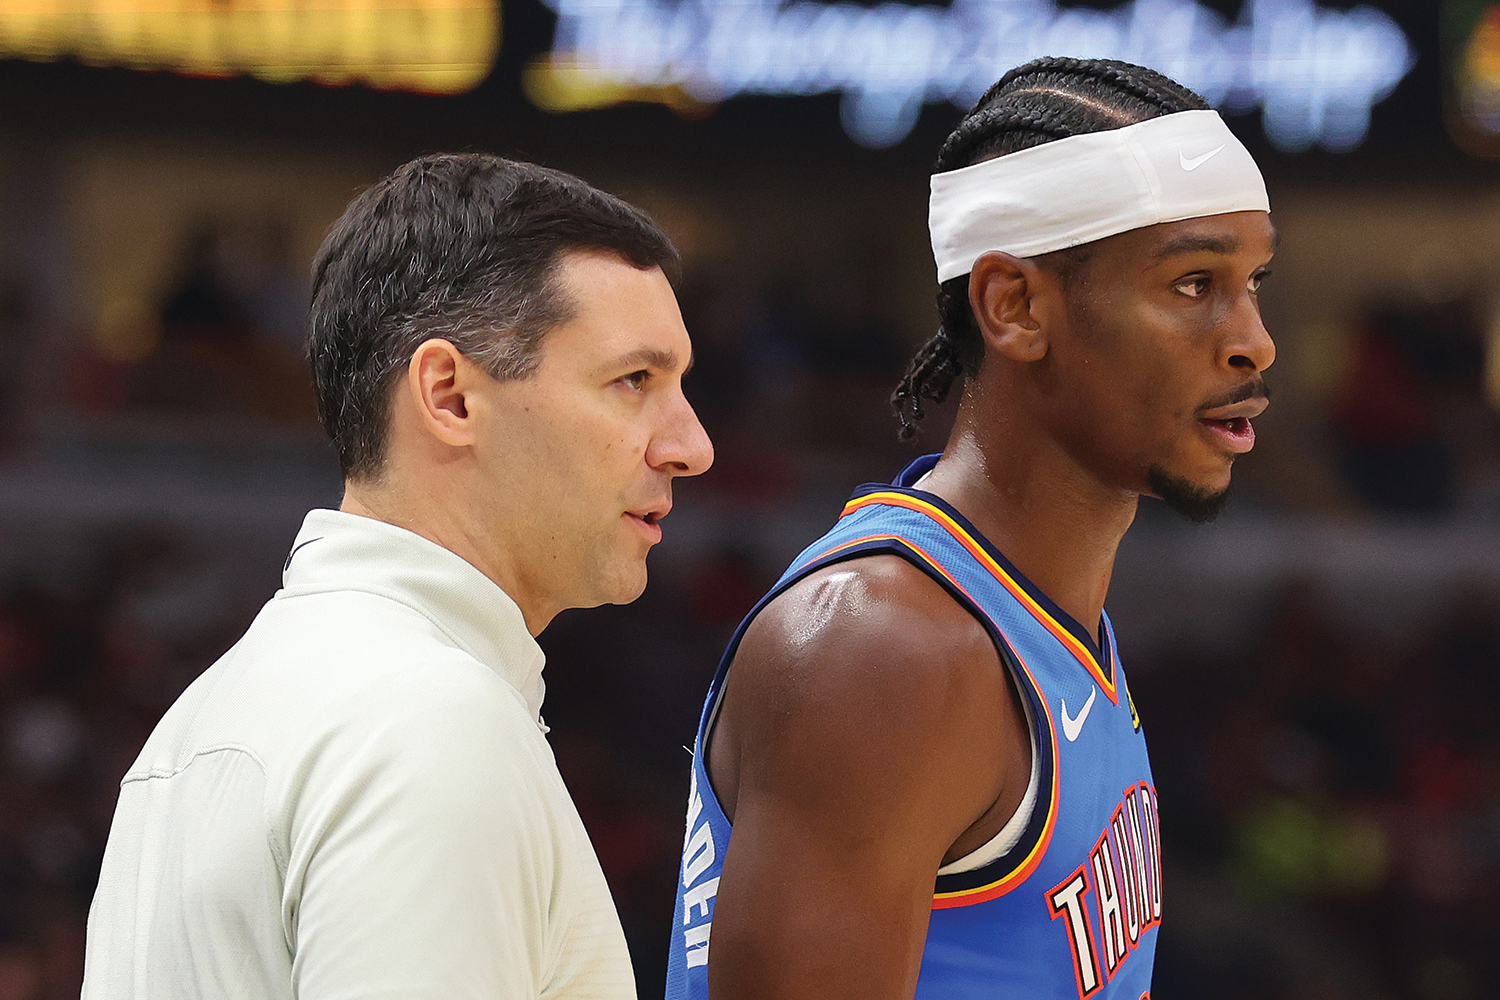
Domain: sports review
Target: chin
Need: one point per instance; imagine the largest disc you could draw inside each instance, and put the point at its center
(625, 585)
(1199, 502)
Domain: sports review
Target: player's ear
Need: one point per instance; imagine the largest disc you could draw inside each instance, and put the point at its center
(1004, 292)
(440, 382)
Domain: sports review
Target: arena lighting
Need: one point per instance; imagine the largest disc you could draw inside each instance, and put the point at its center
(1471, 36)
(430, 46)
(1314, 72)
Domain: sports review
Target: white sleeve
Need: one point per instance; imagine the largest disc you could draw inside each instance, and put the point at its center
(422, 849)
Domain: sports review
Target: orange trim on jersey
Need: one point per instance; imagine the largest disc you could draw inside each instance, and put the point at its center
(1070, 641)
(893, 538)
(979, 894)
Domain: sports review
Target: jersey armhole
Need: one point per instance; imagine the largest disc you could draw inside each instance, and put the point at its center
(1009, 835)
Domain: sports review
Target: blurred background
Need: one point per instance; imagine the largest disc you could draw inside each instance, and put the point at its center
(1318, 672)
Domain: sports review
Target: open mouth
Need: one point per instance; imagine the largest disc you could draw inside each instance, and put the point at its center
(1227, 420)
(1233, 425)
(1237, 433)
(648, 519)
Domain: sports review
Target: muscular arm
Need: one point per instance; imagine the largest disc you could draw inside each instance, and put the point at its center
(868, 733)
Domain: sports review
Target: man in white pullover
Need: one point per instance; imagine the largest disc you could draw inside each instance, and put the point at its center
(357, 800)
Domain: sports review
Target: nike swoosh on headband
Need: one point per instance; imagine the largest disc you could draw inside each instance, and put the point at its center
(1197, 161)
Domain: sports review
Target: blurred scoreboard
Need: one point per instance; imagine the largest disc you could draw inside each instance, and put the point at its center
(430, 46)
(1314, 71)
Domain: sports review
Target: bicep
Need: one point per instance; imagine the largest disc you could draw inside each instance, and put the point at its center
(804, 910)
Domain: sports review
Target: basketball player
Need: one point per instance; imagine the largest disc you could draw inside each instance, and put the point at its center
(922, 737)
(358, 800)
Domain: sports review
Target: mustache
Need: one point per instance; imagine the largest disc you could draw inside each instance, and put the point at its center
(1256, 388)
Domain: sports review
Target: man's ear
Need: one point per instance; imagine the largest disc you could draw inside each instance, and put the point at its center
(439, 384)
(1009, 296)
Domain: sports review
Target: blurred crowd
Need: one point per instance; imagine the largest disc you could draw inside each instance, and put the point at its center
(1331, 806)
(1330, 798)
(224, 342)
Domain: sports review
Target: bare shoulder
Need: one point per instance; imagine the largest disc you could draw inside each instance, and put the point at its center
(879, 617)
(868, 667)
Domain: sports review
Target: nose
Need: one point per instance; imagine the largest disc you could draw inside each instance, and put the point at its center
(681, 447)
(1249, 346)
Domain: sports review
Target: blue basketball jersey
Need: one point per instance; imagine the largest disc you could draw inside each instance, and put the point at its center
(1071, 910)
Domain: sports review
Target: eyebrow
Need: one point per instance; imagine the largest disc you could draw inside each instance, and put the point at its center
(1198, 243)
(651, 357)
(1205, 243)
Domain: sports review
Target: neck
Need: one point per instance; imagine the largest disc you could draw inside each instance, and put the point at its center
(456, 530)
(1058, 524)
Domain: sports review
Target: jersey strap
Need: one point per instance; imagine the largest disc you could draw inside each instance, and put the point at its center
(1096, 661)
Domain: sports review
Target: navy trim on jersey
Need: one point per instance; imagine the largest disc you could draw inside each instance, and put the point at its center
(1090, 641)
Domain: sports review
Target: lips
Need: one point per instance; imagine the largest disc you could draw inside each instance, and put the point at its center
(650, 529)
(646, 518)
(1230, 425)
(651, 514)
(1236, 434)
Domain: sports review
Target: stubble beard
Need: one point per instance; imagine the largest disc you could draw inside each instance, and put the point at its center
(1198, 505)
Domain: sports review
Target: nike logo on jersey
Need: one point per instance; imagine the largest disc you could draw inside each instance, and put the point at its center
(1197, 161)
(1072, 727)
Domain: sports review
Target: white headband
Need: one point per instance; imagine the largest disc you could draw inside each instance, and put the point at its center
(1086, 187)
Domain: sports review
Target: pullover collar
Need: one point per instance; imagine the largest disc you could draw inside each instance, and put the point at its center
(336, 550)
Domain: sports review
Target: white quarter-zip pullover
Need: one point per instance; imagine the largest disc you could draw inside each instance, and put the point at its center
(357, 801)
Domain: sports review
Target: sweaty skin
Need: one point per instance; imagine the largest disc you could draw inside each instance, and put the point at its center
(869, 732)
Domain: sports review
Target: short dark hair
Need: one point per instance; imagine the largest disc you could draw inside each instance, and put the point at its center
(460, 246)
(1046, 99)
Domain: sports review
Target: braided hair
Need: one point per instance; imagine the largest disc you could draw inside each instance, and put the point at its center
(1046, 99)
